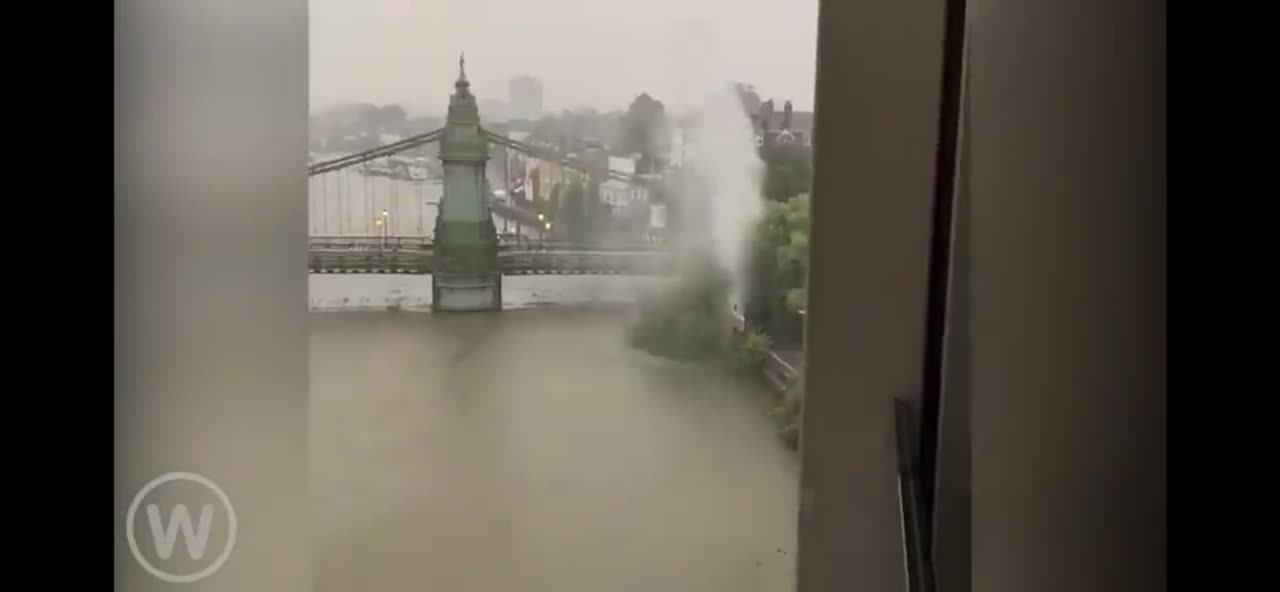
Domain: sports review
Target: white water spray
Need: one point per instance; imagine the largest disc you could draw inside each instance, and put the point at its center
(727, 173)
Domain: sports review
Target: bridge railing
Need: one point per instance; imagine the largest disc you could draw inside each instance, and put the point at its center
(513, 262)
(505, 244)
(588, 262)
(536, 246)
(369, 243)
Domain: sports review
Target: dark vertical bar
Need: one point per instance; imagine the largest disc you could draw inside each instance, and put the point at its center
(940, 247)
(951, 515)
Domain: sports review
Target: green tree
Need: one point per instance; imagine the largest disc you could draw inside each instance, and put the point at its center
(546, 130)
(572, 212)
(751, 351)
(553, 206)
(599, 215)
(788, 171)
(568, 130)
(780, 264)
(643, 126)
(684, 322)
(793, 253)
(393, 118)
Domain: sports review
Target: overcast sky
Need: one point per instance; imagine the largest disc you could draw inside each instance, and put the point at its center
(597, 53)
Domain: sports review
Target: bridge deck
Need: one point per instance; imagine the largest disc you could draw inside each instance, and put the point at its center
(425, 243)
(419, 258)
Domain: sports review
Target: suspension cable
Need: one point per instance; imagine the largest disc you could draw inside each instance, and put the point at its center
(324, 203)
(311, 207)
(346, 210)
(364, 213)
(394, 202)
(341, 176)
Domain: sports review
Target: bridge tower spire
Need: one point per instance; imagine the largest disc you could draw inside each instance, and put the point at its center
(467, 275)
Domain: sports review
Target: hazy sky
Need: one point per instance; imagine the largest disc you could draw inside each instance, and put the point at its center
(597, 53)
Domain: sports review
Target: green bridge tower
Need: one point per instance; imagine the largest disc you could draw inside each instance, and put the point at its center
(467, 276)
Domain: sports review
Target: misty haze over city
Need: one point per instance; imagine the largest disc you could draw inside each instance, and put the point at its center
(591, 303)
(588, 53)
(614, 195)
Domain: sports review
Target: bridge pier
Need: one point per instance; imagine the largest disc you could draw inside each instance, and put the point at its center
(466, 293)
(467, 277)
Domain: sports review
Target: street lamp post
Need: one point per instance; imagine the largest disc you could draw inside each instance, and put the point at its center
(436, 205)
(378, 222)
(385, 223)
(542, 232)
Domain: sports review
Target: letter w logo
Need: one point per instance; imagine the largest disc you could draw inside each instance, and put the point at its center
(179, 519)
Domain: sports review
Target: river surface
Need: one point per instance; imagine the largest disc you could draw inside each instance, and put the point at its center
(348, 292)
(526, 450)
(532, 450)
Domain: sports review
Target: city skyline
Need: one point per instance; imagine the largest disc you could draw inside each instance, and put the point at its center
(402, 52)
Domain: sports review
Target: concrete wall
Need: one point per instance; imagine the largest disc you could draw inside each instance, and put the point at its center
(1068, 295)
(1052, 471)
(877, 97)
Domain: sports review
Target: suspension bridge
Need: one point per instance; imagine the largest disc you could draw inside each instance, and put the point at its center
(463, 251)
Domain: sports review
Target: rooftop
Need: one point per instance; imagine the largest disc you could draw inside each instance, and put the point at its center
(800, 120)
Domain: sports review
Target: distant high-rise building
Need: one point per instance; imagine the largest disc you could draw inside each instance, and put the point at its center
(525, 97)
